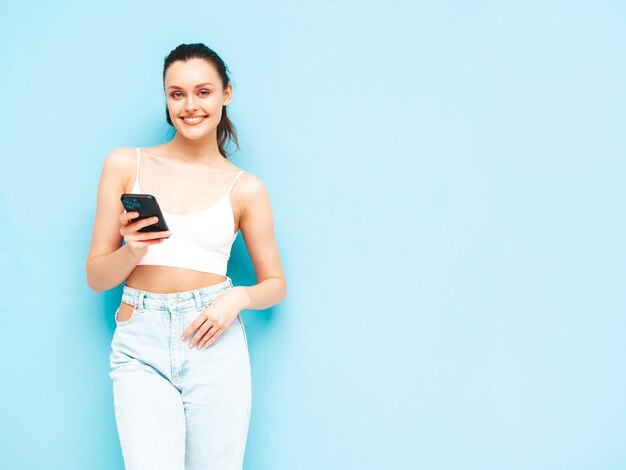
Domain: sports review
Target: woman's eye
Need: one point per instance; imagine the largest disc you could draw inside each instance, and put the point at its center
(176, 93)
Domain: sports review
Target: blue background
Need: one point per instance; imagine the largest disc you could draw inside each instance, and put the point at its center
(447, 182)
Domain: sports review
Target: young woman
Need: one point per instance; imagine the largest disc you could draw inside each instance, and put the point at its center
(179, 358)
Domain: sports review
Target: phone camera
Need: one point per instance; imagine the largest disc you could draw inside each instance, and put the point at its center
(130, 204)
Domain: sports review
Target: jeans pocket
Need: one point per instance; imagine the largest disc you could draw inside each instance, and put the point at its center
(128, 314)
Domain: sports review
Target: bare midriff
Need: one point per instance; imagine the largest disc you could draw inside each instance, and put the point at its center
(166, 279)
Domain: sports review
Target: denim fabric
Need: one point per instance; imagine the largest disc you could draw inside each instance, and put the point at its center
(179, 408)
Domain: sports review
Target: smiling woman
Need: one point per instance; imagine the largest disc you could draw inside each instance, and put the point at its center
(180, 407)
(214, 94)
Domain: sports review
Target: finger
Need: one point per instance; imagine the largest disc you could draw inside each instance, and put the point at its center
(125, 217)
(145, 222)
(218, 325)
(139, 224)
(151, 235)
(131, 235)
(206, 342)
(156, 241)
(200, 333)
(193, 326)
(131, 231)
(143, 236)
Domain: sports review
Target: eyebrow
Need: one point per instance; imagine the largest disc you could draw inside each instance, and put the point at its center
(197, 86)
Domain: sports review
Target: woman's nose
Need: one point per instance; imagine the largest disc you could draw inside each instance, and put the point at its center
(190, 103)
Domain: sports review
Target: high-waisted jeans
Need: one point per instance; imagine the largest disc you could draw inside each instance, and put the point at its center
(179, 408)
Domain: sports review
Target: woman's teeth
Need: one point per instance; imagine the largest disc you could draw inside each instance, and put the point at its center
(194, 120)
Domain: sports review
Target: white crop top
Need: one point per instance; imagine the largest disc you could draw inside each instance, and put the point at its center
(200, 241)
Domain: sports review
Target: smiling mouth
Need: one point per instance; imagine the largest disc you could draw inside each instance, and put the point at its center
(193, 120)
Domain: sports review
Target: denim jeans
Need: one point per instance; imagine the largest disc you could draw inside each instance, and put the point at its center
(179, 408)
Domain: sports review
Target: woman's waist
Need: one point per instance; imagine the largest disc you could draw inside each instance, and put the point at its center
(169, 280)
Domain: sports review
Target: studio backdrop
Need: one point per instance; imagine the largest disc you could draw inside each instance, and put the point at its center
(447, 181)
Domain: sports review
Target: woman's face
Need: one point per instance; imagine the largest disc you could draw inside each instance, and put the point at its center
(193, 89)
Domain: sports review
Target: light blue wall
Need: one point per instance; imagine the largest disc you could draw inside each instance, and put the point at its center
(447, 181)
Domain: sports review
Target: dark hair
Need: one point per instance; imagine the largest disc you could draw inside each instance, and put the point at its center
(225, 129)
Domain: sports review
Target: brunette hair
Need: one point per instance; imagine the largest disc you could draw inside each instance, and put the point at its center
(225, 129)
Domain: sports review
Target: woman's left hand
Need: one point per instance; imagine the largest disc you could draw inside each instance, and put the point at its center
(216, 317)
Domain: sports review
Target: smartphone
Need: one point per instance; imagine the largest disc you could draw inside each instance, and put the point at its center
(147, 206)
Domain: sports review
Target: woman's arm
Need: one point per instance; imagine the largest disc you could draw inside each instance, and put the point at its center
(108, 262)
(257, 228)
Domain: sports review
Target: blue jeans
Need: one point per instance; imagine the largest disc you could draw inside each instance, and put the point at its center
(179, 408)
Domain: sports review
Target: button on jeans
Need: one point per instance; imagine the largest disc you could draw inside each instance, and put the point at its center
(179, 408)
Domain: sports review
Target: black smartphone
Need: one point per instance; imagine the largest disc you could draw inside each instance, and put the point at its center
(147, 206)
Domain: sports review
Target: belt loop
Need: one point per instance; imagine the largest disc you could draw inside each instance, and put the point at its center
(196, 296)
(140, 304)
(230, 281)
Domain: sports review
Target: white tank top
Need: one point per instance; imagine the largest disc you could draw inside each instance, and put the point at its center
(200, 241)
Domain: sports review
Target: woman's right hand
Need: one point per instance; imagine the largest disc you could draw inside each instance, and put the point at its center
(139, 242)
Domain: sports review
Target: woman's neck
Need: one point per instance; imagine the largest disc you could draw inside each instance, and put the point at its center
(195, 150)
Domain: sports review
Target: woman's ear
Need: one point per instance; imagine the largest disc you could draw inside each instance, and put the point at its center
(228, 94)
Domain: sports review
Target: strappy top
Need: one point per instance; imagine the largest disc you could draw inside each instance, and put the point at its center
(200, 241)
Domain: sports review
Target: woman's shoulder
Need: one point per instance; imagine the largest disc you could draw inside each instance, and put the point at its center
(249, 185)
(121, 158)
(119, 166)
